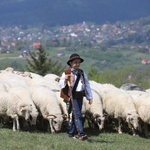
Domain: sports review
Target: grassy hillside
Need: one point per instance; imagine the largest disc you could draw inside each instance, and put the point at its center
(112, 59)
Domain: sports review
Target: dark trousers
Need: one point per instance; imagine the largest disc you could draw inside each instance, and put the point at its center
(76, 126)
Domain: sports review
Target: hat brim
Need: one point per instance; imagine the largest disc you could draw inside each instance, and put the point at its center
(68, 62)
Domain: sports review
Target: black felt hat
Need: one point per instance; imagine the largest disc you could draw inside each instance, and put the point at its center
(74, 56)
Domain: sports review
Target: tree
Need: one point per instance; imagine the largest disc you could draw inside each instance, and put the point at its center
(40, 63)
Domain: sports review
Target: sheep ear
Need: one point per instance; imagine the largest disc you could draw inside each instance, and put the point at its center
(128, 117)
(51, 117)
(65, 116)
(22, 108)
(106, 116)
(57, 79)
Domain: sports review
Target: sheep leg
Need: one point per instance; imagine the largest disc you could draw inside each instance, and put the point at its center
(51, 127)
(140, 128)
(14, 116)
(119, 126)
(146, 130)
(83, 119)
(133, 131)
(17, 121)
(14, 124)
(90, 123)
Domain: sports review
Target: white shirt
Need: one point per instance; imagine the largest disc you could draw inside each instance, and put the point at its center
(80, 87)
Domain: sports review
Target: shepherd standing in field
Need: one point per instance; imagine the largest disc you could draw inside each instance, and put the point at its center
(74, 86)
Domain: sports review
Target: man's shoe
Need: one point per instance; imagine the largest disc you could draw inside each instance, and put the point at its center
(73, 137)
(82, 138)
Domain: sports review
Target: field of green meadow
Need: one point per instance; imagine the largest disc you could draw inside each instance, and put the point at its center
(36, 140)
(112, 59)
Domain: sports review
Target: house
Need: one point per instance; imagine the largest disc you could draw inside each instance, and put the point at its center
(61, 53)
(145, 61)
(36, 44)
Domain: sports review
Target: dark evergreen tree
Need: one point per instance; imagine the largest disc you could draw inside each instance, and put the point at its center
(39, 62)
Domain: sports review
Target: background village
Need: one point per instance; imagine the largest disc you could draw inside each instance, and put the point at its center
(132, 35)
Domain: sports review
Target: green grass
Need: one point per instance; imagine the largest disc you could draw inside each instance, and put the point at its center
(45, 141)
(114, 58)
(4, 55)
(16, 63)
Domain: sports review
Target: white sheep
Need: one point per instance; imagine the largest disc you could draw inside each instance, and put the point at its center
(110, 107)
(13, 79)
(5, 86)
(52, 77)
(94, 112)
(46, 101)
(50, 82)
(25, 95)
(35, 75)
(142, 104)
(35, 81)
(135, 94)
(62, 104)
(120, 105)
(46, 81)
(8, 69)
(11, 105)
(102, 89)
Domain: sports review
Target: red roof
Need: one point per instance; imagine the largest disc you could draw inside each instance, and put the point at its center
(36, 44)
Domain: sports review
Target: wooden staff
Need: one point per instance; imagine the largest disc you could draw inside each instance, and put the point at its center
(68, 72)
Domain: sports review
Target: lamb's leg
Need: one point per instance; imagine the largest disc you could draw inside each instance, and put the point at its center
(146, 130)
(140, 128)
(83, 119)
(133, 131)
(17, 121)
(119, 126)
(51, 127)
(14, 124)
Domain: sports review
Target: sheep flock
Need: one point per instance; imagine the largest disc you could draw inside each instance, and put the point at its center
(29, 101)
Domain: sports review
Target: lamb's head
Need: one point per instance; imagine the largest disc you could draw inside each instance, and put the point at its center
(25, 110)
(33, 116)
(133, 120)
(65, 123)
(99, 120)
(55, 122)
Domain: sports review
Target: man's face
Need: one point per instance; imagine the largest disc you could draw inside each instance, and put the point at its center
(75, 63)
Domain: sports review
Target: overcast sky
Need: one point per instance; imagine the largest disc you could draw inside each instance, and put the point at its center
(71, 11)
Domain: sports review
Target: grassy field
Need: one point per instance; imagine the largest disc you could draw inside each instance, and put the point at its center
(45, 141)
(111, 59)
(36, 140)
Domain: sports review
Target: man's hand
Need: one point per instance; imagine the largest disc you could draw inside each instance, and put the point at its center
(90, 101)
(67, 77)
